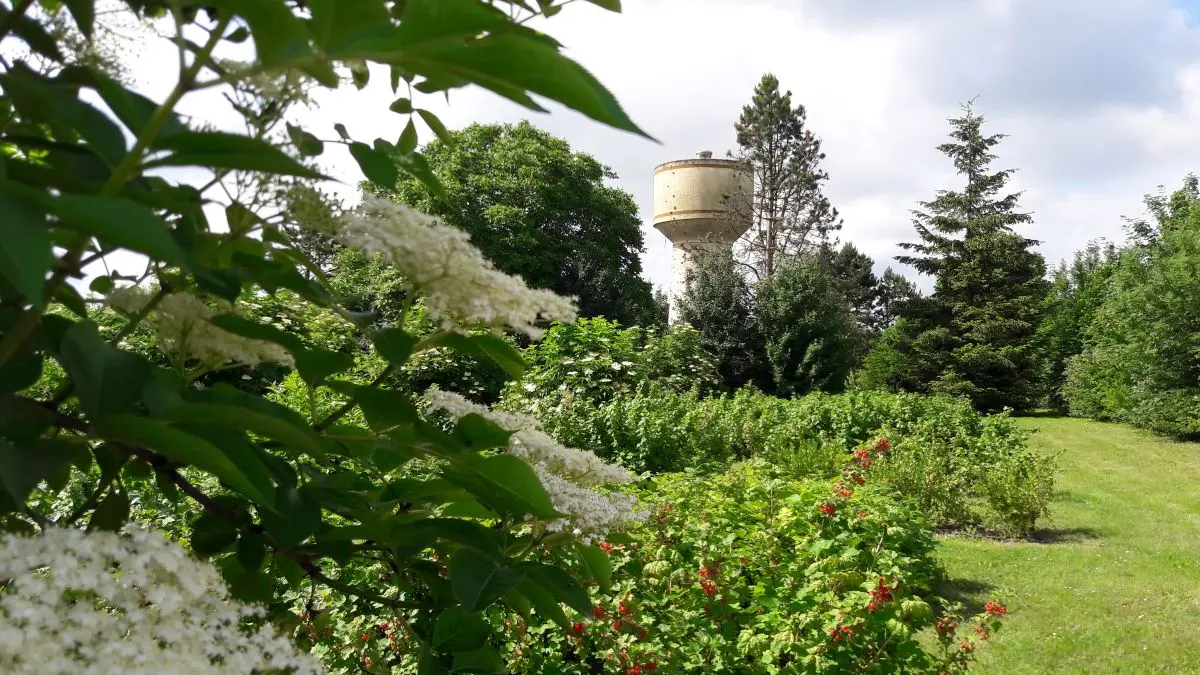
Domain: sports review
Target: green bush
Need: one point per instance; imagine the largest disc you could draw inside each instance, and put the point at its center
(753, 571)
(596, 359)
(964, 469)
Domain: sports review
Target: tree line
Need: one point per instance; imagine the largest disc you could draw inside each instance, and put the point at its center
(1112, 334)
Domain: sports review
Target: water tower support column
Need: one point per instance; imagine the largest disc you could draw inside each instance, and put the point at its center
(701, 205)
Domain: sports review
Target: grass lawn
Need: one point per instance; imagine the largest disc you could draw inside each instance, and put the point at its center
(1113, 585)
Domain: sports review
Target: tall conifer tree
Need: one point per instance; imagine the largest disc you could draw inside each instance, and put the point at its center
(975, 335)
(789, 211)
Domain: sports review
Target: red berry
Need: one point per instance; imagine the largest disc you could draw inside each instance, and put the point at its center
(578, 628)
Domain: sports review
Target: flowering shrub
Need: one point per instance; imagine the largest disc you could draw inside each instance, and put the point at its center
(593, 360)
(962, 469)
(111, 407)
(752, 571)
(129, 604)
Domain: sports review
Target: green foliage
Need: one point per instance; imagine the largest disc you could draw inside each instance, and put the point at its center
(1076, 292)
(810, 336)
(1142, 360)
(963, 469)
(788, 212)
(720, 305)
(975, 336)
(303, 505)
(754, 571)
(593, 360)
(539, 210)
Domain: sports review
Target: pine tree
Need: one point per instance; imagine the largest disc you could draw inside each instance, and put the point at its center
(990, 285)
(789, 211)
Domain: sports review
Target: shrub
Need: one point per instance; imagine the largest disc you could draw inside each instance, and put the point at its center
(595, 359)
(753, 571)
(963, 469)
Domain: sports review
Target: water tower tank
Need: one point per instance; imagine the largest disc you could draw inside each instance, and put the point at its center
(700, 204)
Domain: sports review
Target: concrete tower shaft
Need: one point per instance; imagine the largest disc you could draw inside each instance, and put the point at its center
(701, 205)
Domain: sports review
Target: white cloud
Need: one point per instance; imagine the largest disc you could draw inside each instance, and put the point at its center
(1101, 99)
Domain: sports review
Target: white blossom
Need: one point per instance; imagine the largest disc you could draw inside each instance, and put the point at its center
(455, 279)
(182, 323)
(133, 603)
(589, 513)
(569, 475)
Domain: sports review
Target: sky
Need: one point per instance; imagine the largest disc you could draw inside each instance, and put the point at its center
(1100, 101)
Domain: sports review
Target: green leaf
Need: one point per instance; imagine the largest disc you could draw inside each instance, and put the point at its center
(279, 35)
(436, 125)
(457, 630)
(478, 580)
(597, 563)
(42, 99)
(107, 379)
(307, 144)
(111, 513)
(20, 372)
(377, 166)
(222, 150)
(185, 448)
(480, 433)
(241, 418)
(402, 106)
(212, 534)
(393, 344)
(253, 587)
(482, 660)
(408, 138)
(341, 131)
(31, 462)
(334, 22)
(504, 482)
(254, 330)
(562, 585)
(23, 420)
(384, 409)
(117, 221)
(544, 602)
(297, 517)
(486, 345)
(32, 33)
(418, 167)
(134, 110)
(513, 64)
(84, 13)
(315, 365)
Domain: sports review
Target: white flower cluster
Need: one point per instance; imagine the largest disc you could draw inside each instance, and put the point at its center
(133, 603)
(182, 323)
(568, 474)
(438, 261)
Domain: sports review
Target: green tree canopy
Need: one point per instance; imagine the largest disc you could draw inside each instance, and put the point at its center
(810, 338)
(542, 211)
(719, 303)
(1142, 360)
(989, 291)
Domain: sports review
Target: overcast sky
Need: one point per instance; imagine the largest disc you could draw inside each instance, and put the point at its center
(1101, 100)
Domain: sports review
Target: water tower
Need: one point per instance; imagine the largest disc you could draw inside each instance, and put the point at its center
(701, 205)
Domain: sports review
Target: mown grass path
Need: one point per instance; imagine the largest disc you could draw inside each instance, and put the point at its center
(1113, 585)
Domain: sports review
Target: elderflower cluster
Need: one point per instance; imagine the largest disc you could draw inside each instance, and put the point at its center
(438, 261)
(182, 323)
(132, 603)
(567, 474)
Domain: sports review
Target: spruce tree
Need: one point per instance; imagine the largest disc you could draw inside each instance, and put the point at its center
(789, 212)
(990, 286)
